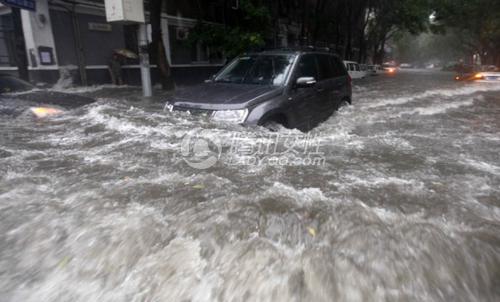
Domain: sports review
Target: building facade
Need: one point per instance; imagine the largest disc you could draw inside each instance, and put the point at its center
(73, 38)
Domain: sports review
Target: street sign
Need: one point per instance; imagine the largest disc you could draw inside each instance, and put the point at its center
(22, 4)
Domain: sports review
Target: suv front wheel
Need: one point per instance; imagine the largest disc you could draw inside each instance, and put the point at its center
(274, 123)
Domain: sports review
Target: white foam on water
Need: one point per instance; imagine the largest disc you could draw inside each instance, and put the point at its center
(65, 77)
(144, 229)
(87, 89)
(305, 195)
(439, 108)
(467, 90)
(407, 185)
(482, 166)
(98, 116)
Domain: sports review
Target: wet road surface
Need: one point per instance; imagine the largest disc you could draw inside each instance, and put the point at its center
(100, 204)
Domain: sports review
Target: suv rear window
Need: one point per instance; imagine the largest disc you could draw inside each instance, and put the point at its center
(339, 69)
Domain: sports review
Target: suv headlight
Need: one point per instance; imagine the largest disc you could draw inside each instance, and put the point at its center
(232, 116)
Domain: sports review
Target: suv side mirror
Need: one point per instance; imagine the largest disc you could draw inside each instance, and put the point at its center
(305, 82)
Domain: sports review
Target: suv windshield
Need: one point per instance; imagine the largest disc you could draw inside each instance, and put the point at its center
(12, 84)
(258, 70)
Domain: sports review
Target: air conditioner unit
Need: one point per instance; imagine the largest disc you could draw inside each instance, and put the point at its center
(124, 11)
(182, 33)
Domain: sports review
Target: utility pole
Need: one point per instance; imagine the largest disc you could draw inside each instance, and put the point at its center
(21, 56)
(127, 11)
(147, 90)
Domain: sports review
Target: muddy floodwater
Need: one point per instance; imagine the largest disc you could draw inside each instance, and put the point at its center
(100, 204)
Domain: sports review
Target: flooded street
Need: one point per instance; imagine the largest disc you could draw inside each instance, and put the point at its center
(100, 204)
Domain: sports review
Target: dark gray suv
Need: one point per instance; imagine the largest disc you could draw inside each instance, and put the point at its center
(297, 89)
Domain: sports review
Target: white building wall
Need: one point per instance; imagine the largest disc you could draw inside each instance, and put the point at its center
(37, 30)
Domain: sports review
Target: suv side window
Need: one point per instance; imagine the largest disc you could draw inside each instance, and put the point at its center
(325, 67)
(307, 67)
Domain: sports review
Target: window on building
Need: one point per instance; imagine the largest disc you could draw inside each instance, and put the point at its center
(131, 41)
(7, 41)
(184, 52)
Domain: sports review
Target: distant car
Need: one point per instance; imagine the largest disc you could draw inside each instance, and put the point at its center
(487, 77)
(465, 72)
(372, 69)
(389, 68)
(18, 96)
(482, 77)
(295, 89)
(354, 70)
(405, 65)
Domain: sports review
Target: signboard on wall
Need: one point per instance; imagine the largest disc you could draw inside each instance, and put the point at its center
(127, 11)
(46, 55)
(22, 4)
(100, 27)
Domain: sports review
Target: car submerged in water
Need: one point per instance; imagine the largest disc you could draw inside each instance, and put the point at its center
(295, 89)
(471, 73)
(487, 77)
(19, 97)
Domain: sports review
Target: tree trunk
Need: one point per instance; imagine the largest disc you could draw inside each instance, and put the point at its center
(365, 11)
(275, 12)
(303, 38)
(362, 50)
(157, 46)
(348, 42)
(320, 9)
(380, 53)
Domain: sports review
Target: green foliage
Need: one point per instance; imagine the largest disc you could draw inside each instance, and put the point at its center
(401, 15)
(478, 18)
(247, 34)
(477, 23)
(429, 47)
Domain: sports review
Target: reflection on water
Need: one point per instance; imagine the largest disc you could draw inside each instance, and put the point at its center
(98, 204)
